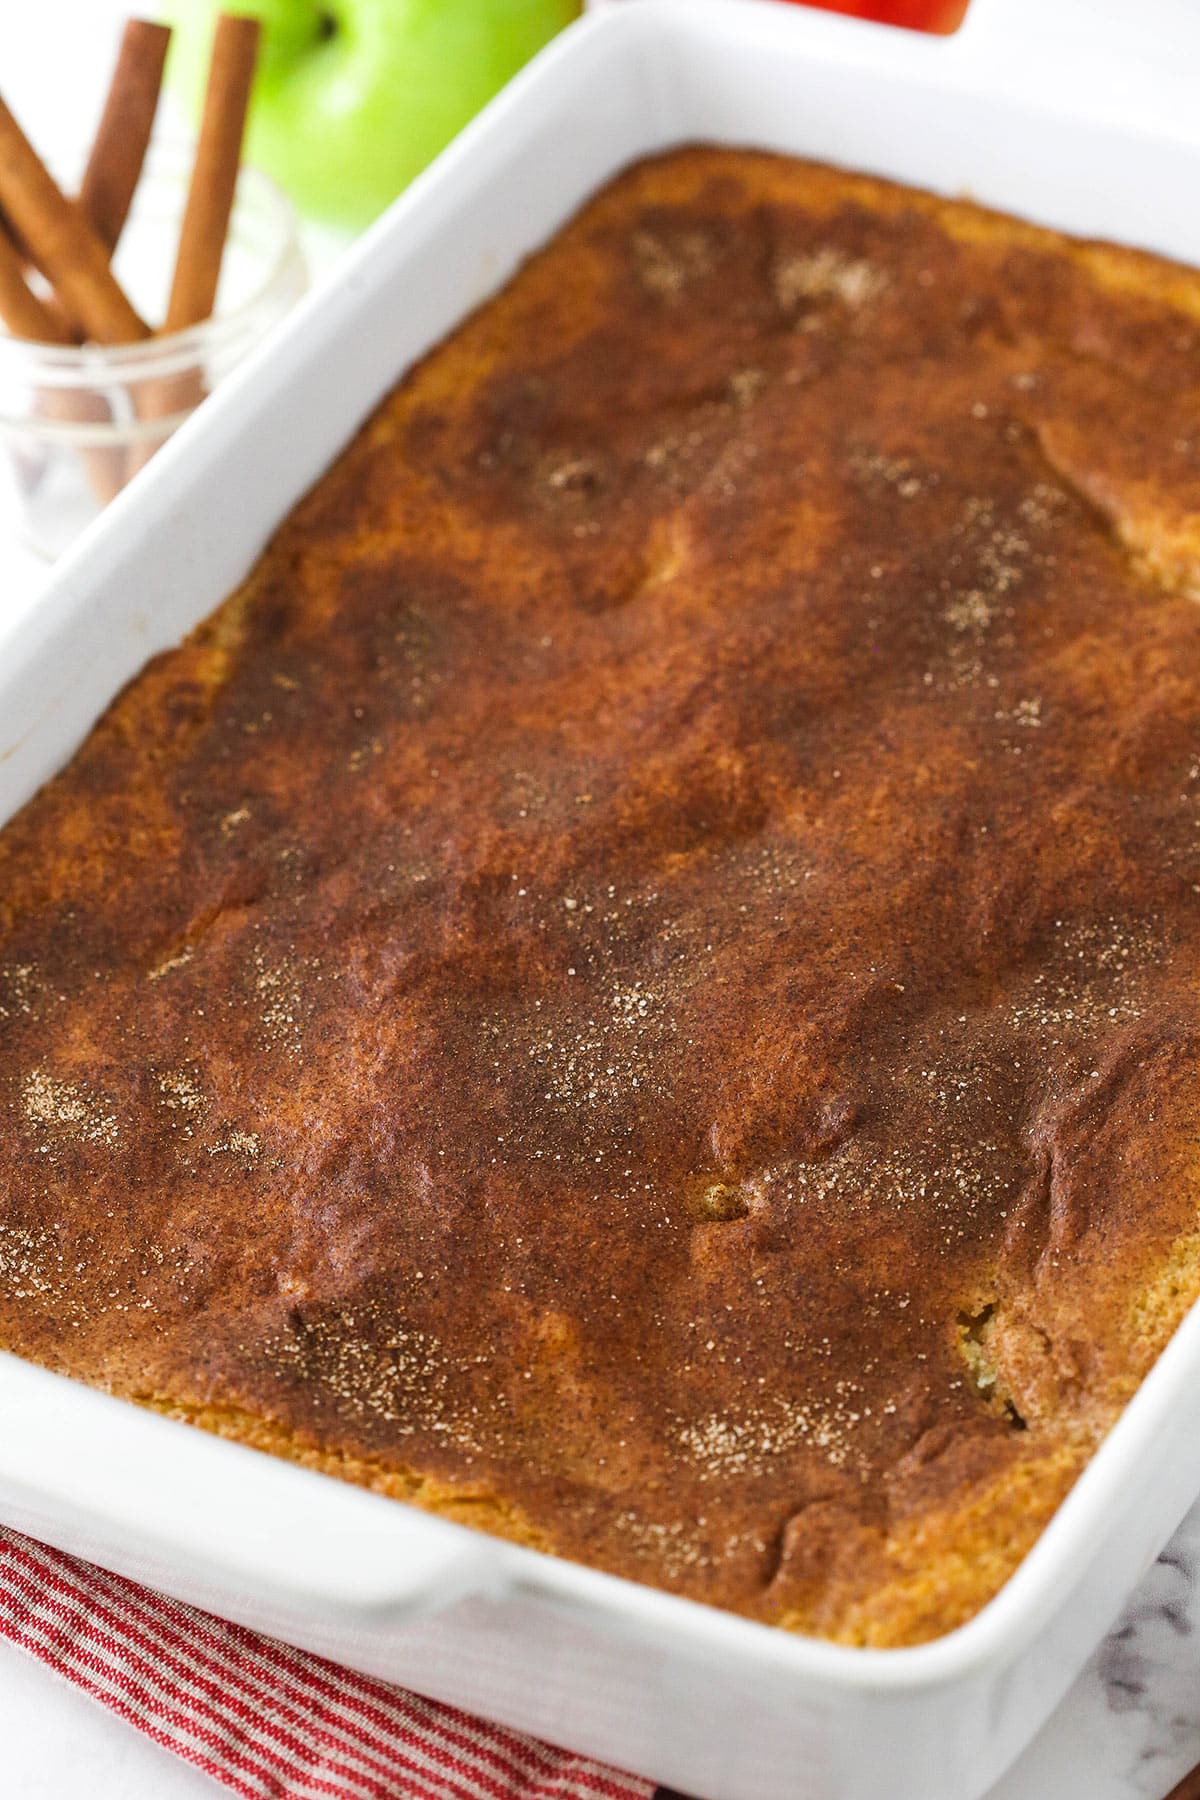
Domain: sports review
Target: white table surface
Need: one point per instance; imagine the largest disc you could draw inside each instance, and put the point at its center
(1130, 1726)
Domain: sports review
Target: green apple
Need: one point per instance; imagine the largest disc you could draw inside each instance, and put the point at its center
(354, 97)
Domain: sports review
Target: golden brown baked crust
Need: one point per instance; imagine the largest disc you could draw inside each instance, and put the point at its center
(639, 984)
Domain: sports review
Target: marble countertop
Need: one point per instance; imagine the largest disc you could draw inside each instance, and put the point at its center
(1130, 1727)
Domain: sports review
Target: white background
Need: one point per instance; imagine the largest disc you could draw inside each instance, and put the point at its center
(1130, 1727)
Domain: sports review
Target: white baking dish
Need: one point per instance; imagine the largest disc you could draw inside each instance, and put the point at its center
(709, 1703)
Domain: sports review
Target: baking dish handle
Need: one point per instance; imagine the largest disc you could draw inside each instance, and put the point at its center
(229, 1528)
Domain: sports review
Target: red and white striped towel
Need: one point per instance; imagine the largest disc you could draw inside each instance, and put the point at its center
(270, 1722)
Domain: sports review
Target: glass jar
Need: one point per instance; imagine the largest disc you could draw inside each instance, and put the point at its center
(78, 421)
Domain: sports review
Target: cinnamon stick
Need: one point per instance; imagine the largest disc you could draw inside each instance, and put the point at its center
(25, 315)
(214, 173)
(206, 216)
(65, 247)
(123, 134)
(114, 162)
(114, 167)
(106, 193)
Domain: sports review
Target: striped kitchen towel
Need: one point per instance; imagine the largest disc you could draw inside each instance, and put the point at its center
(267, 1721)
